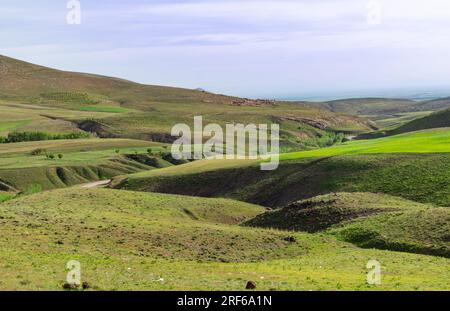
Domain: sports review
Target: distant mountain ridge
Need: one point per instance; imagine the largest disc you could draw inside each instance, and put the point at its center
(383, 106)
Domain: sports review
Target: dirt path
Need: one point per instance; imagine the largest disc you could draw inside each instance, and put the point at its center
(96, 184)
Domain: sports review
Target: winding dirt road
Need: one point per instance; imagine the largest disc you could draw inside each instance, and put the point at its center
(96, 184)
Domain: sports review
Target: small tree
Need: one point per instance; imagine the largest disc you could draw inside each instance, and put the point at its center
(60, 156)
(117, 151)
(51, 156)
(149, 151)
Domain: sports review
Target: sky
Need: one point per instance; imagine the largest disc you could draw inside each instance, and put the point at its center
(252, 48)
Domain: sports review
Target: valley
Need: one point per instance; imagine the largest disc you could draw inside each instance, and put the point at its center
(87, 174)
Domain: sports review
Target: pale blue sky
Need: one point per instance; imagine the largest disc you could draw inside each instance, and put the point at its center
(255, 48)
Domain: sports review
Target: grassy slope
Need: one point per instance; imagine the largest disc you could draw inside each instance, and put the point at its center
(435, 104)
(387, 113)
(370, 106)
(130, 110)
(367, 220)
(355, 166)
(431, 141)
(435, 120)
(83, 161)
(128, 240)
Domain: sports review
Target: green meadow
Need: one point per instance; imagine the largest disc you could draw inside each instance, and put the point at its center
(428, 141)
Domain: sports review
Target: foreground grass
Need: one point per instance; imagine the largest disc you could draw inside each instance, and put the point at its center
(4, 196)
(131, 241)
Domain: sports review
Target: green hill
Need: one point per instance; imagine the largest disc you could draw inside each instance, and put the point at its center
(388, 113)
(32, 96)
(26, 165)
(435, 120)
(367, 220)
(414, 166)
(370, 106)
(140, 241)
(435, 104)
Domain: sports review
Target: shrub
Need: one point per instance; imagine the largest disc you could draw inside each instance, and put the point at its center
(16, 137)
(60, 156)
(38, 151)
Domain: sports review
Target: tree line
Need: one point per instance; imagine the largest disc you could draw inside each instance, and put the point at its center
(16, 137)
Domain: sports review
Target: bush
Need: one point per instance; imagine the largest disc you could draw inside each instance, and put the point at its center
(16, 137)
(60, 156)
(38, 151)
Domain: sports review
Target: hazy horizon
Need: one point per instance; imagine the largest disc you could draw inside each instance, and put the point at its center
(255, 48)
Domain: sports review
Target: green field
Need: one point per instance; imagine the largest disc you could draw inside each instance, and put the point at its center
(414, 166)
(430, 141)
(104, 109)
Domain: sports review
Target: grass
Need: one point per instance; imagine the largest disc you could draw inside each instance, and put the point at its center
(128, 240)
(434, 120)
(11, 126)
(131, 241)
(367, 220)
(131, 110)
(394, 121)
(429, 141)
(84, 160)
(4, 196)
(419, 177)
(104, 109)
(414, 166)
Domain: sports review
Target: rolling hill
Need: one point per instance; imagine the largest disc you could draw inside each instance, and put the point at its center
(413, 166)
(435, 120)
(26, 166)
(165, 224)
(367, 220)
(388, 113)
(370, 106)
(111, 107)
(439, 119)
(435, 104)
